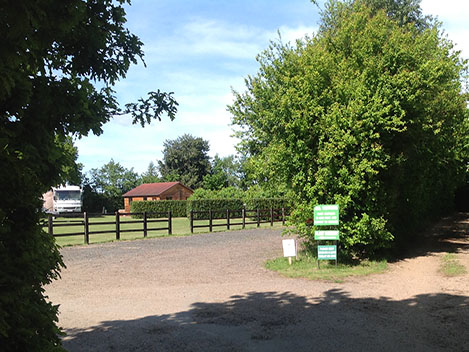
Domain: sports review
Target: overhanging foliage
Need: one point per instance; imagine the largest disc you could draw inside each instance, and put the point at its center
(53, 56)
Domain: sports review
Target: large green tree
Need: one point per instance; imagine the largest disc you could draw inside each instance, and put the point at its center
(151, 174)
(368, 113)
(110, 182)
(224, 172)
(58, 63)
(71, 170)
(185, 159)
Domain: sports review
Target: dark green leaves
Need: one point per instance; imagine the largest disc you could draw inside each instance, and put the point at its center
(58, 63)
(185, 159)
(153, 107)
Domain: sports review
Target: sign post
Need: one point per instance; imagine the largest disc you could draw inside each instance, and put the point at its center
(326, 235)
(326, 215)
(327, 253)
(289, 249)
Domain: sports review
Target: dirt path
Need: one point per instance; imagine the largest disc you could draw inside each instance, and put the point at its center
(211, 293)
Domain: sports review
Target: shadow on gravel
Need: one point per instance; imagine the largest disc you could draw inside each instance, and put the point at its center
(273, 321)
(450, 234)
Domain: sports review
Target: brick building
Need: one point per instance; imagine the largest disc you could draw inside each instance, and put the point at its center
(157, 191)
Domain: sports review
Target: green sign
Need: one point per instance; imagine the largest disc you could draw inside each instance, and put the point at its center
(326, 214)
(327, 252)
(326, 235)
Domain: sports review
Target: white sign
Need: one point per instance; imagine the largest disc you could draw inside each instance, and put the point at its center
(289, 248)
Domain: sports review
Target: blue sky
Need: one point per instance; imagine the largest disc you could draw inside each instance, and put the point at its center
(200, 50)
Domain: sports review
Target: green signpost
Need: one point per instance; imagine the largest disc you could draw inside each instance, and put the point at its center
(326, 215)
(326, 235)
(327, 253)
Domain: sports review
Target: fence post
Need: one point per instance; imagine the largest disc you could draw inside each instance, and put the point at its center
(258, 218)
(144, 224)
(210, 220)
(87, 228)
(118, 227)
(50, 225)
(192, 221)
(227, 219)
(283, 216)
(170, 222)
(271, 216)
(244, 217)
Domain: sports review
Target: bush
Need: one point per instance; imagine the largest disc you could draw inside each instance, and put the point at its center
(177, 207)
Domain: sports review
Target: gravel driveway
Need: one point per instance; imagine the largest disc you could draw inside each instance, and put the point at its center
(211, 293)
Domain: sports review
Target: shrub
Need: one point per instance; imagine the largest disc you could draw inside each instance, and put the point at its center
(177, 207)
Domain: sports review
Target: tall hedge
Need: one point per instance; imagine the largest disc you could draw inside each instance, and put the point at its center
(267, 203)
(177, 207)
(224, 193)
(218, 207)
(368, 114)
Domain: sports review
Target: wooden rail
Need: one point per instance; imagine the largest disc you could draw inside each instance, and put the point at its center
(147, 218)
(271, 215)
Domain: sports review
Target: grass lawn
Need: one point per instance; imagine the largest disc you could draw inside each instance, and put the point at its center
(307, 267)
(180, 227)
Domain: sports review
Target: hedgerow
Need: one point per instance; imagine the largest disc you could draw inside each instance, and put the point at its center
(177, 207)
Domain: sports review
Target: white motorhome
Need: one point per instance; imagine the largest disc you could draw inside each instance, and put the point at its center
(63, 199)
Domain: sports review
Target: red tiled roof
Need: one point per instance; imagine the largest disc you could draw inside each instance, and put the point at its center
(151, 189)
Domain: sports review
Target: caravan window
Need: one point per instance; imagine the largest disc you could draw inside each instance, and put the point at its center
(67, 195)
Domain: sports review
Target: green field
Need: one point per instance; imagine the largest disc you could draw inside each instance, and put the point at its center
(180, 227)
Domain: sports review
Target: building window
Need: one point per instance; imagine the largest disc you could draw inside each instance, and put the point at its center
(169, 198)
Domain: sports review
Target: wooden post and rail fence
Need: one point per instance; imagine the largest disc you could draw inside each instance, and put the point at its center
(118, 229)
(256, 216)
(226, 218)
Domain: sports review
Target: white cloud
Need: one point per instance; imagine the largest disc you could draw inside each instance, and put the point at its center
(202, 37)
(454, 10)
(290, 34)
(221, 142)
(200, 61)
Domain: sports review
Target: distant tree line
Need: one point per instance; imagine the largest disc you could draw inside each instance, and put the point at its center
(185, 159)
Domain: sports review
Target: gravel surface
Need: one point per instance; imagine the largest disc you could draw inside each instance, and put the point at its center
(211, 293)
